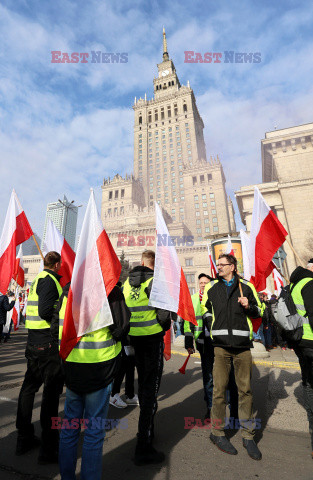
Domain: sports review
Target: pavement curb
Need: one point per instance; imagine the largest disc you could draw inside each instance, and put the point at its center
(265, 363)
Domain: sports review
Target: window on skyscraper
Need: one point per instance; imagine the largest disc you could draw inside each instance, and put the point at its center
(149, 117)
(201, 178)
(140, 120)
(110, 195)
(156, 117)
(194, 180)
(175, 110)
(169, 113)
(214, 219)
(207, 229)
(204, 204)
(215, 229)
(122, 193)
(162, 113)
(185, 107)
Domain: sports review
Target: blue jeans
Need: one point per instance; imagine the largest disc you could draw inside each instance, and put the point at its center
(259, 334)
(89, 406)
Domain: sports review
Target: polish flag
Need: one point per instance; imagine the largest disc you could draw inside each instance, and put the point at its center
(266, 236)
(278, 281)
(212, 264)
(25, 304)
(169, 287)
(230, 249)
(96, 271)
(245, 254)
(16, 311)
(16, 230)
(55, 242)
(18, 274)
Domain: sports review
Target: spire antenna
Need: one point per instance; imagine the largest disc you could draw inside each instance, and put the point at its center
(165, 53)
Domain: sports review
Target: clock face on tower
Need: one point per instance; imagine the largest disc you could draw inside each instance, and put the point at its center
(165, 72)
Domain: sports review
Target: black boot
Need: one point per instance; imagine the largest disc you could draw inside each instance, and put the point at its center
(146, 454)
(252, 449)
(24, 445)
(223, 444)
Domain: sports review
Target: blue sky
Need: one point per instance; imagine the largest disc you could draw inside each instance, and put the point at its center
(64, 127)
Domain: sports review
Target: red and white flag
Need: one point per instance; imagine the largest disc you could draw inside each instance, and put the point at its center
(19, 274)
(16, 311)
(55, 242)
(96, 271)
(212, 264)
(230, 249)
(169, 288)
(267, 234)
(25, 304)
(16, 230)
(245, 254)
(278, 281)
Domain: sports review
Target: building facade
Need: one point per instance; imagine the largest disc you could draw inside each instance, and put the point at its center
(170, 168)
(64, 216)
(287, 187)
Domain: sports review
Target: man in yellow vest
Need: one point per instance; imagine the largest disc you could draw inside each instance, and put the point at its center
(43, 364)
(89, 369)
(228, 312)
(147, 328)
(301, 286)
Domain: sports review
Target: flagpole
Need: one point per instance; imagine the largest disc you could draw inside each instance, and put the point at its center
(281, 273)
(295, 253)
(38, 247)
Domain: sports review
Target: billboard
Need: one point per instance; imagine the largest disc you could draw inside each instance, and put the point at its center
(220, 246)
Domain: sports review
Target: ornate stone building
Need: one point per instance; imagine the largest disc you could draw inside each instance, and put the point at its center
(287, 175)
(171, 168)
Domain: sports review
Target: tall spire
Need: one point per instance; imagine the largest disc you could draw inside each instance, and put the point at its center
(165, 54)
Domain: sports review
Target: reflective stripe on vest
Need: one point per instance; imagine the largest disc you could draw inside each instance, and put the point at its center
(298, 300)
(197, 330)
(95, 347)
(143, 320)
(240, 333)
(33, 320)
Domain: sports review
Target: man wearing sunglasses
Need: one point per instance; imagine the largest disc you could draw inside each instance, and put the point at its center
(227, 305)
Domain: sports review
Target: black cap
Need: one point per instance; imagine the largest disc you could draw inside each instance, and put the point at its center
(311, 260)
(204, 275)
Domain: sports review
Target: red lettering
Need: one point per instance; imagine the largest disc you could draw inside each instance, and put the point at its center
(141, 241)
(131, 242)
(188, 55)
(216, 57)
(150, 240)
(121, 239)
(84, 56)
(208, 57)
(198, 423)
(55, 422)
(55, 57)
(188, 423)
(65, 424)
(84, 422)
(75, 57)
(65, 58)
(198, 58)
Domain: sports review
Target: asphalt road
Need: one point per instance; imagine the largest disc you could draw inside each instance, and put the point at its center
(283, 437)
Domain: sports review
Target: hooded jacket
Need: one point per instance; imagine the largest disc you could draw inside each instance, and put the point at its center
(139, 275)
(307, 294)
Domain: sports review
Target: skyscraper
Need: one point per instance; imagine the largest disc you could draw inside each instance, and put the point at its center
(64, 216)
(171, 168)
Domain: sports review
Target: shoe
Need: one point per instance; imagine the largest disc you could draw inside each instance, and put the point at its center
(24, 445)
(223, 444)
(48, 458)
(132, 401)
(117, 402)
(252, 449)
(147, 455)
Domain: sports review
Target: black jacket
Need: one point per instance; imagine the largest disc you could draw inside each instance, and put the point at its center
(89, 377)
(229, 315)
(5, 307)
(307, 294)
(139, 275)
(48, 296)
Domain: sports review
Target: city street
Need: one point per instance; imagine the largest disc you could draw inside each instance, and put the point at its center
(283, 437)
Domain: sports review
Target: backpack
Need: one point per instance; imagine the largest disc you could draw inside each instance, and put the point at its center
(286, 316)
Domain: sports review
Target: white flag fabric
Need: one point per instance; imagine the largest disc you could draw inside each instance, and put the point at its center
(245, 254)
(167, 270)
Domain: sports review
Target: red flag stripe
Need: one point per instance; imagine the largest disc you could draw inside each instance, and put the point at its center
(185, 307)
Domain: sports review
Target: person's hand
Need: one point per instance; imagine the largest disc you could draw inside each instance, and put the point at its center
(190, 350)
(244, 302)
